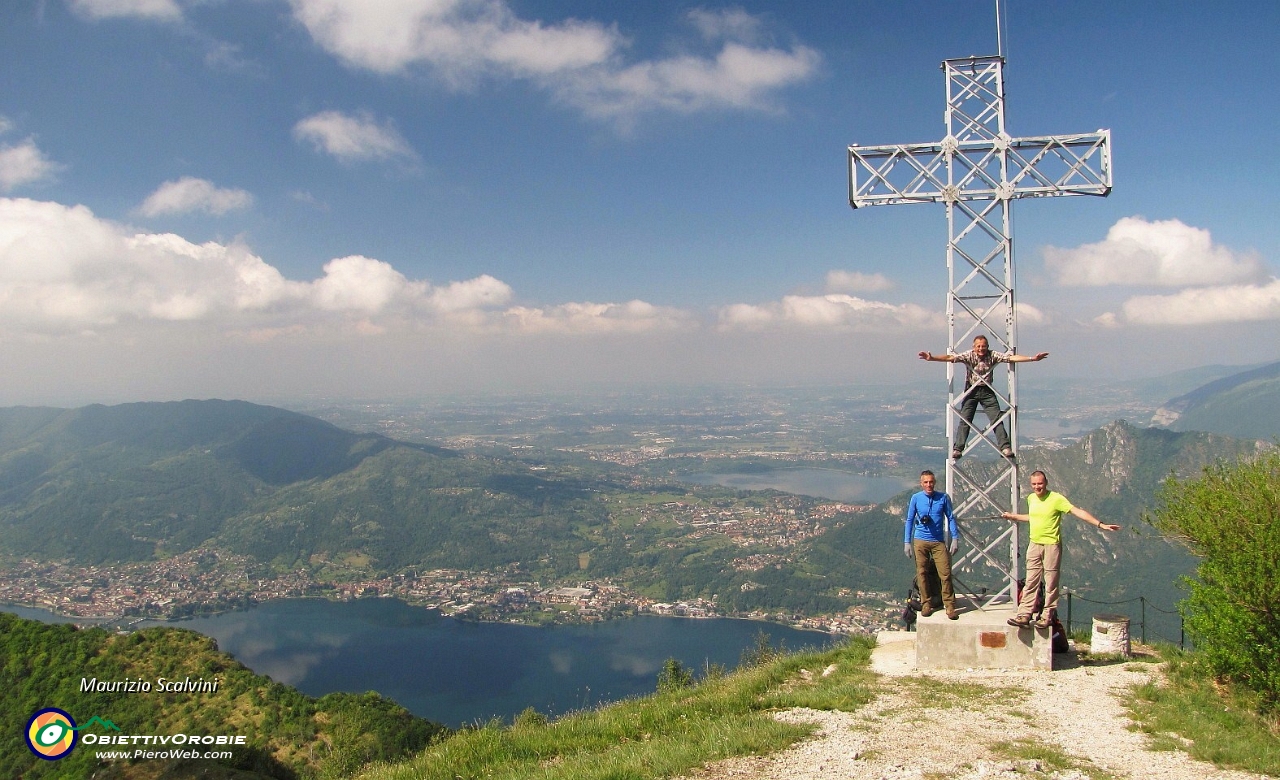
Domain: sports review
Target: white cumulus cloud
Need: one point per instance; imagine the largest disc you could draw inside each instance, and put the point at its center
(191, 194)
(1030, 315)
(482, 292)
(158, 10)
(353, 138)
(1165, 253)
(739, 76)
(855, 282)
(728, 23)
(460, 38)
(580, 62)
(827, 312)
(64, 270)
(1206, 305)
(597, 318)
(358, 283)
(23, 164)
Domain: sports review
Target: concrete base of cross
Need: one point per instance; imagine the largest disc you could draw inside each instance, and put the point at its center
(980, 639)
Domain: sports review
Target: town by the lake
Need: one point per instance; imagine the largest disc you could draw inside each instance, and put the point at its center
(204, 582)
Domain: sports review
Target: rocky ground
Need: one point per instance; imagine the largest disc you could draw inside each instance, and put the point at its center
(1066, 724)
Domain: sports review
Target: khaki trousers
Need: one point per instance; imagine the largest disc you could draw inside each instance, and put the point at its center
(1044, 562)
(942, 562)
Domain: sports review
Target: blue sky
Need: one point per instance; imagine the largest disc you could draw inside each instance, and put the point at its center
(275, 198)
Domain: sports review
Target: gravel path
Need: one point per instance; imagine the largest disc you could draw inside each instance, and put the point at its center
(971, 724)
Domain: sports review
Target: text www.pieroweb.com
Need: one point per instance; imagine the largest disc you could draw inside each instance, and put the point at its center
(124, 755)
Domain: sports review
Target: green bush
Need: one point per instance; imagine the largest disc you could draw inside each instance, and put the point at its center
(1230, 518)
(760, 652)
(674, 676)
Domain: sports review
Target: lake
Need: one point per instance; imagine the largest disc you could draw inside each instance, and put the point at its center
(819, 483)
(457, 672)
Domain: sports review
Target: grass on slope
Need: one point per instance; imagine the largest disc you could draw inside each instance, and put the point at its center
(663, 735)
(1214, 723)
(1048, 759)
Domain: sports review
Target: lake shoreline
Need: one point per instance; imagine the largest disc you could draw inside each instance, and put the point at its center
(155, 622)
(458, 672)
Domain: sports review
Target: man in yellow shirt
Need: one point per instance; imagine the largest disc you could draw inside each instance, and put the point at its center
(1044, 550)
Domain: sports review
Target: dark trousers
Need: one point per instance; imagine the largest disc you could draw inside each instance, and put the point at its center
(942, 562)
(986, 397)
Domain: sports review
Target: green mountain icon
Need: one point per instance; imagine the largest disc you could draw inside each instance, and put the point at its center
(106, 724)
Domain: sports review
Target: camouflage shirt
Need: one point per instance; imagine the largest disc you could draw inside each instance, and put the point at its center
(979, 369)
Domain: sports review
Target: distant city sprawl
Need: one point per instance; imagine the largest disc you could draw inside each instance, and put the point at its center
(205, 582)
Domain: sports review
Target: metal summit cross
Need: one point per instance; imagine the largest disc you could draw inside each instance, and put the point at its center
(977, 170)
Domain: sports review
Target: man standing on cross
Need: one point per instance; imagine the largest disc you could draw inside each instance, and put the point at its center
(979, 364)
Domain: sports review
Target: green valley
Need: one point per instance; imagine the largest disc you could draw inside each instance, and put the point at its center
(206, 505)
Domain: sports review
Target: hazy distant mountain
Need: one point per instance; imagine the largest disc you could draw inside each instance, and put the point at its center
(138, 480)
(1158, 388)
(1245, 404)
(141, 481)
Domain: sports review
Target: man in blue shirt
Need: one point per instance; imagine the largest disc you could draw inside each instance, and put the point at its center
(931, 533)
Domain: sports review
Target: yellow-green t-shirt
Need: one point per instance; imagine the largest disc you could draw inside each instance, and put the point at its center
(1046, 516)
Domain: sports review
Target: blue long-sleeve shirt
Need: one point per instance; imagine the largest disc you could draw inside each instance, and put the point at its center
(925, 516)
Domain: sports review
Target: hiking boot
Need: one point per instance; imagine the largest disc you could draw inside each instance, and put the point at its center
(926, 610)
(955, 454)
(1021, 621)
(952, 614)
(1007, 452)
(1044, 622)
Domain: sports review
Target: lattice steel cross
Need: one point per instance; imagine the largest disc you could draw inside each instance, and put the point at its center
(977, 170)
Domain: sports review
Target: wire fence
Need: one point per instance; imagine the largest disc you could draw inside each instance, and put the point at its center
(1160, 628)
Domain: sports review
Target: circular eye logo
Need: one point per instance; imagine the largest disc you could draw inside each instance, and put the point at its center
(51, 734)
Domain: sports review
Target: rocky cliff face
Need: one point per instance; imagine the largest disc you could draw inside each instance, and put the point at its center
(1119, 458)
(1110, 454)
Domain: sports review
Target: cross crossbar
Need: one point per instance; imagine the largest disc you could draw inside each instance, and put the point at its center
(1041, 167)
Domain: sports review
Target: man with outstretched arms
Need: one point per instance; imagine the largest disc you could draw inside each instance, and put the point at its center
(1044, 549)
(979, 363)
(930, 533)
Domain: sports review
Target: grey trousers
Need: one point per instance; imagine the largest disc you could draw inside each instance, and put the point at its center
(1044, 562)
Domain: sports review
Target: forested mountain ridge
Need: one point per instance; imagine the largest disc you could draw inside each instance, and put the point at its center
(288, 734)
(142, 481)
